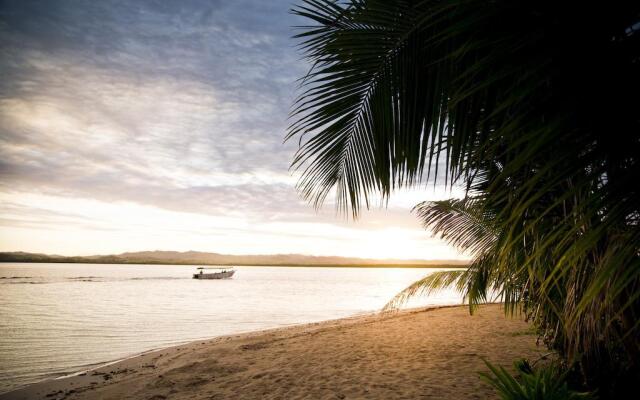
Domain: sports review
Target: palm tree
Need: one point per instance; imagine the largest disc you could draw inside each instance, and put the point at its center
(464, 224)
(528, 105)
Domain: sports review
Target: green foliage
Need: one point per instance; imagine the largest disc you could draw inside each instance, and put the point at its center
(542, 383)
(527, 105)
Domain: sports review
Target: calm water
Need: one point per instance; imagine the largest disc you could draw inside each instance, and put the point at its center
(60, 318)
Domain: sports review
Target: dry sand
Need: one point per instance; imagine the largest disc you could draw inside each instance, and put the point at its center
(418, 354)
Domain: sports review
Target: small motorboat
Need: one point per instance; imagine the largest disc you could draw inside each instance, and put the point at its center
(218, 273)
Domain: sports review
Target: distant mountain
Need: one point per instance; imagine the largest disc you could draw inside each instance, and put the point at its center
(202, 258)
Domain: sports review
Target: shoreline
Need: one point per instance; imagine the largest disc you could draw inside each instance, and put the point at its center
(138, 375)
(103, 364)
(284, 265)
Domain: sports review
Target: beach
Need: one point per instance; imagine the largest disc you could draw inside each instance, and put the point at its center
(431, 353)
(157, 306)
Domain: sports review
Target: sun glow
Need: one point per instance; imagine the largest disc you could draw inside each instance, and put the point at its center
(71, 226)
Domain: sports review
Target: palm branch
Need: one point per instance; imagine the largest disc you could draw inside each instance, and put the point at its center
(464, 224)
(524, 103)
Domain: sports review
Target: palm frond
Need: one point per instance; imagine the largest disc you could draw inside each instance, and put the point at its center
(364, 107)
(433, 282)
(462, 223)
(526, 108)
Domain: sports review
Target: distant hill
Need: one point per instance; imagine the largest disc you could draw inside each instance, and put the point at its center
(202, 258)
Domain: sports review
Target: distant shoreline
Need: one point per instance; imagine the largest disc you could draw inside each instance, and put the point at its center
(235, 264)
(158, 257)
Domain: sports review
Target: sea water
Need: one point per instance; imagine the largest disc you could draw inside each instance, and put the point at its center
(59, 318)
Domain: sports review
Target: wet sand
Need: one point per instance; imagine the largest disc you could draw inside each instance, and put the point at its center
(416, 354)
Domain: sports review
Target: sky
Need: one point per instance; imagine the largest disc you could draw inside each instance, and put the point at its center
(159, 125)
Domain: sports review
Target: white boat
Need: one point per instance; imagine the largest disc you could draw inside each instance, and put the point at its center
(219, 273)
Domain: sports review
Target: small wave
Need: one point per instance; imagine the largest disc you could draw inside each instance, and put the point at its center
(24, 283)
(16, 277)
(157, 278)
(115, 279)
(84, 277)
(90, 279)
(119, 279)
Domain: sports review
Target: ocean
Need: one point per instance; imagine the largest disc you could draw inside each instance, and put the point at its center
(56, 319)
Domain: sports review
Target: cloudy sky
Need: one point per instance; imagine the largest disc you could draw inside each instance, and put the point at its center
(142, 125)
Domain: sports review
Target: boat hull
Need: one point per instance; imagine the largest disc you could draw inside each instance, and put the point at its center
(215, 275)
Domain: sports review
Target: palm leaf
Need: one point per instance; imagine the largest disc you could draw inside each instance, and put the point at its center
(529, 111)
(433, 282)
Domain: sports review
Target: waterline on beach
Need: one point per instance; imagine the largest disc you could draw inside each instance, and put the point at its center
(77, 316)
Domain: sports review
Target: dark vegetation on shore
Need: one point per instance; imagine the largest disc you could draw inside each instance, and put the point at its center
(201, 258)
(530, 106)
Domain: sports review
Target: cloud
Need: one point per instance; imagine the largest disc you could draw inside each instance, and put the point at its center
(177, 106)
(176, 101)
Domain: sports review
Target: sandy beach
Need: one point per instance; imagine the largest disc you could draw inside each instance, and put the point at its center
(416, 354)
